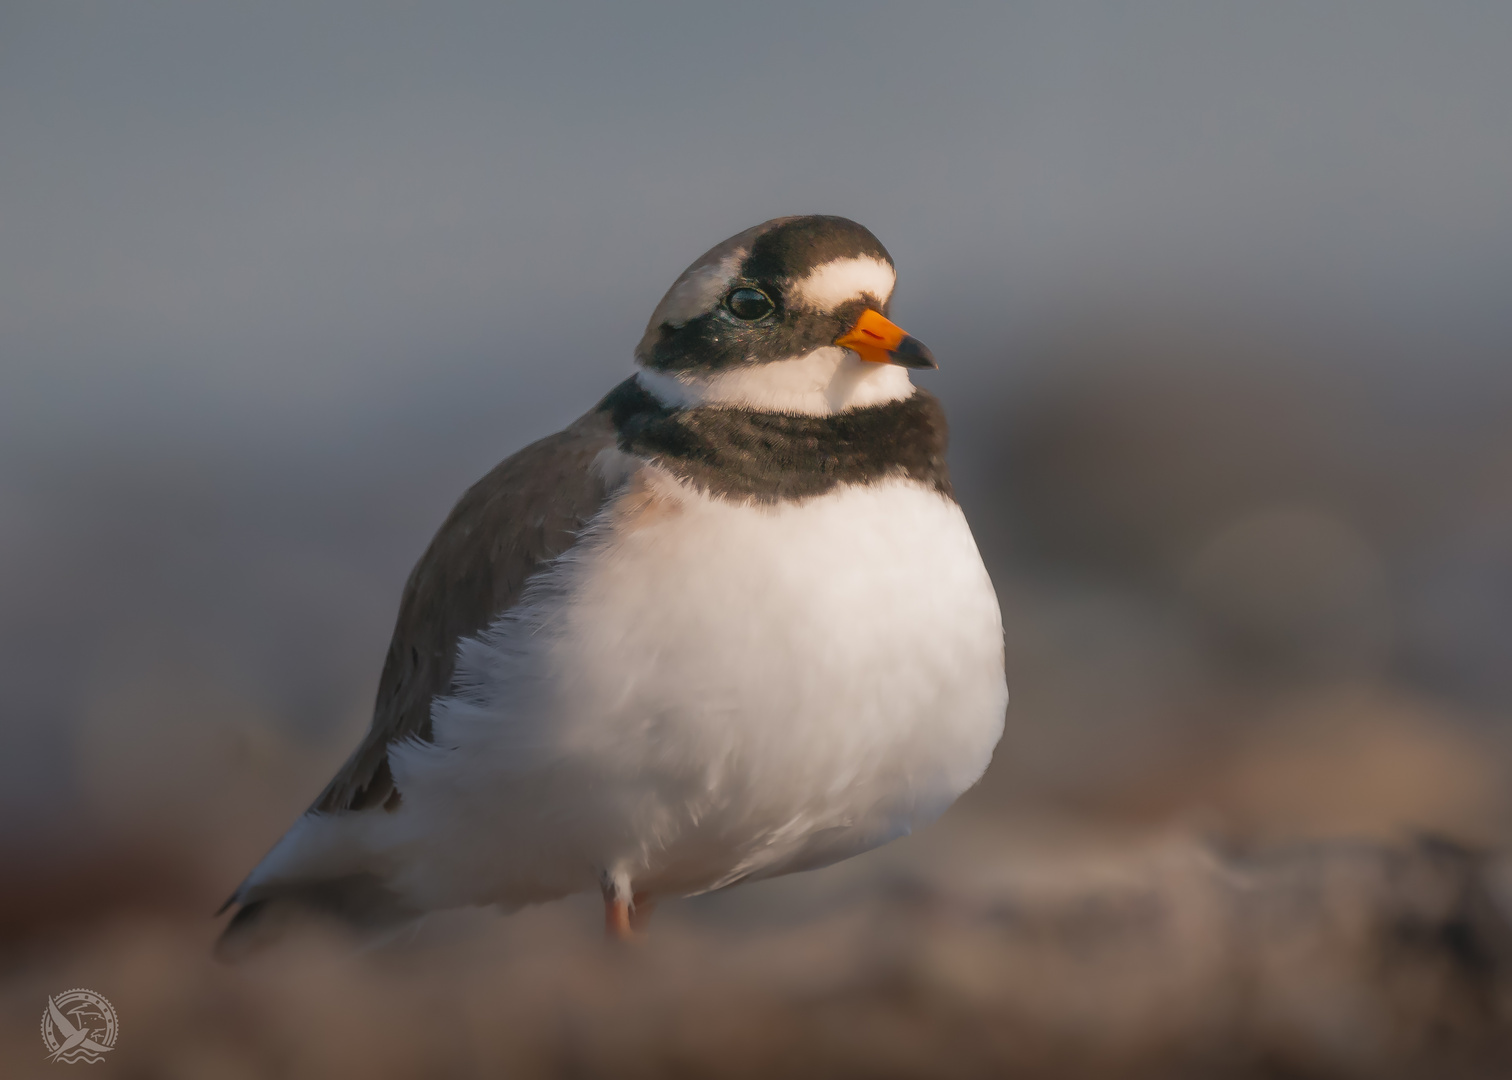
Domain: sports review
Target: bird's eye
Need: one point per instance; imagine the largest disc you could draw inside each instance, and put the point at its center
(748, 304)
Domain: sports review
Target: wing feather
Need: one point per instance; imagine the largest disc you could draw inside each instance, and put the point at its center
(525, 512)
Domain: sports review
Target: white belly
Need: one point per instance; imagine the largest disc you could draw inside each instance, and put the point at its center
(704, 691)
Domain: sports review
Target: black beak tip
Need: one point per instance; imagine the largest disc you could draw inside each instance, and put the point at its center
(913, 353)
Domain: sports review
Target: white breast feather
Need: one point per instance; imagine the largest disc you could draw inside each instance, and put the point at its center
(702, 691)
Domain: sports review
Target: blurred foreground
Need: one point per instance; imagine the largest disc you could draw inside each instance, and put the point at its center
(1163, 959)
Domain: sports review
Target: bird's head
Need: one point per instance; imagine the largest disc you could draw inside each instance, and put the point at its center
(789, 316)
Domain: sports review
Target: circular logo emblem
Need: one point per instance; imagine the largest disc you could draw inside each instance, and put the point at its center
(79, 1025)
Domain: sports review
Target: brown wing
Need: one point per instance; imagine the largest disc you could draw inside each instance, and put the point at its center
(525, 512)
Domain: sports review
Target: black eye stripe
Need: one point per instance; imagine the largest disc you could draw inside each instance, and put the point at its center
(748, 304)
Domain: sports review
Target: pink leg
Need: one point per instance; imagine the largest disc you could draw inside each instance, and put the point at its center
(617, 919)
(625, 920)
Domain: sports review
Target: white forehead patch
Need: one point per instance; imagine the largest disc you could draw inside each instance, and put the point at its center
(698, 290)
(830, 285)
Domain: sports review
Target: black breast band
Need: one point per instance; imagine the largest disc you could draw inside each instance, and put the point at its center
(767, 456)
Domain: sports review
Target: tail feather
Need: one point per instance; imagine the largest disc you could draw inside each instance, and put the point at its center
(360, 903)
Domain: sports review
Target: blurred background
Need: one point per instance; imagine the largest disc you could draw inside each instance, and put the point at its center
(1221, 298)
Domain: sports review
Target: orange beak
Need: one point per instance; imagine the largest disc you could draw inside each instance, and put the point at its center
(878, 341)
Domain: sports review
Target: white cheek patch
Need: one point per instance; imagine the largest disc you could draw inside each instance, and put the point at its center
(832, 284)
(822, 383)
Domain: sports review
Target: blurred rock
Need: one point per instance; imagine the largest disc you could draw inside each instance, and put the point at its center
(1357, 761)
(1165, 959)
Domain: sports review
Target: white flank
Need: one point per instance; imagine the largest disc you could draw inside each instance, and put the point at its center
(700, 691)
(826, 381)
(830, 285)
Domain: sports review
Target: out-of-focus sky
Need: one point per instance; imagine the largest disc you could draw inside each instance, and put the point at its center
(280, 214)
(278, 280)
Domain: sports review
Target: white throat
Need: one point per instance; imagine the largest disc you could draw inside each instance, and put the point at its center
(824, 382)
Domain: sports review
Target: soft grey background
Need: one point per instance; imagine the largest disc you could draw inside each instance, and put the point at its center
(1209, 282)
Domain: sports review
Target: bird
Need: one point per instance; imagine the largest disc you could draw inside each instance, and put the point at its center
(729, 624)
